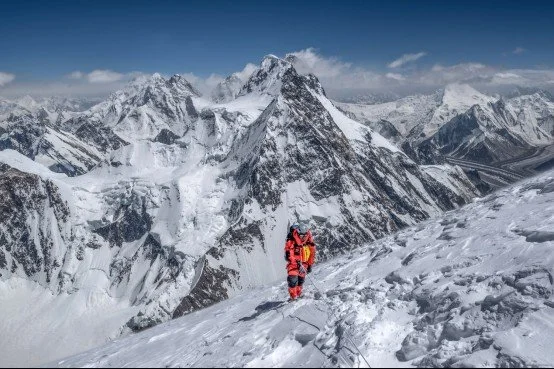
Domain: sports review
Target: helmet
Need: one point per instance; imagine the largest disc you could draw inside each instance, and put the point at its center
(302, 228)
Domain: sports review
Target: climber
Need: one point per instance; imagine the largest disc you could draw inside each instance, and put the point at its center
(300, 257)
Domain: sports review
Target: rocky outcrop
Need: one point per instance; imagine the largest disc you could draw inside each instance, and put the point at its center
(34, 223)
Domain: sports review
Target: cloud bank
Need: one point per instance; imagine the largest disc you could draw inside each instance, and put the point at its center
(6, 78)
(340, 79)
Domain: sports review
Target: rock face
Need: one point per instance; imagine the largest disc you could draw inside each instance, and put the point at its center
(188, 202)
(34, 224)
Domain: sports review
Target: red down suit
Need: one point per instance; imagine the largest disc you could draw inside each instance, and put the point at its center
(300, 256)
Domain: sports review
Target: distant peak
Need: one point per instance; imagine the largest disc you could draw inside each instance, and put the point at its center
(182, 82)
(464, 94)
(270, 61)
(291, 58)
(177, 78)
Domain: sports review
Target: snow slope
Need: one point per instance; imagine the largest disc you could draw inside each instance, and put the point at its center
(471, 288)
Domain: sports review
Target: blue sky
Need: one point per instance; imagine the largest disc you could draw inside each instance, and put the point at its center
(46, 41)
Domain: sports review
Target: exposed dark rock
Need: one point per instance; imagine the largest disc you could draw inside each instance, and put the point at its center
(191, 110)
(30, 247)
(244, 236)
(166, 137)
(210, 288)
(133, 221)
(536, 236)
(475, 178)
(102, 137)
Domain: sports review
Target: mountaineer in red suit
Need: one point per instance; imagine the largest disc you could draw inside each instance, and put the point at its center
(300, 257)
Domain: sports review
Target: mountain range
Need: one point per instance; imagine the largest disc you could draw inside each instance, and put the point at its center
(158, 201)
(462, 122)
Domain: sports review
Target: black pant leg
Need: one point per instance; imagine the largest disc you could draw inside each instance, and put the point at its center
(293, 280)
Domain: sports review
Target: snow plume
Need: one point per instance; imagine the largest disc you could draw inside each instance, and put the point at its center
(406, 58)
(6, 78)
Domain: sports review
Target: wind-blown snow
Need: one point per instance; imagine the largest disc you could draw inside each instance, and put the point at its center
(471, 288)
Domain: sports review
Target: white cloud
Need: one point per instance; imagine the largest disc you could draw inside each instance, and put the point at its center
(406, 58)
(246, 72)
(463, 72)
(519, 50)
(342, 79)
(75, 75)
(334, 74)
(339, 78)
(6, 78)
(92, 84)
(396, 76)
(104, 76)
(308, 61)
(203, 85)
(506, 78)
(206, 85)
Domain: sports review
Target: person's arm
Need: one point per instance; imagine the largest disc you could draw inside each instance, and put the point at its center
(289, 252)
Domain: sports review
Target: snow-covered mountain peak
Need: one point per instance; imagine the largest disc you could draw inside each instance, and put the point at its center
(157, 76)
(179, 81)
(27, 102)
(267, 78)
(271, 58)
(146, 106)
(457, 99)
(228, 89)
(463, 96)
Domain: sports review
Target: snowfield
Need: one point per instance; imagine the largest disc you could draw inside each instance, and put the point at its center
(470, 288)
